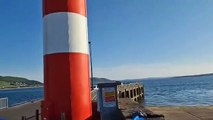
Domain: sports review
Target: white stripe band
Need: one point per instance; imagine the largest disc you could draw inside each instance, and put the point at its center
(65, 32)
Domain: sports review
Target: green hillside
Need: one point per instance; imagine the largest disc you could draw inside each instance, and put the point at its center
(14, 82)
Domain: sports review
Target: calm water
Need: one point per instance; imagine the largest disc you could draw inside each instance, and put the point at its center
(189, 91)
(23, 95)
(179, 91)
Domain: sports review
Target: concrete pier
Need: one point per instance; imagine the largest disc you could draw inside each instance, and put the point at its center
(127, 107)
(130, 100)
(16, 113)
(128, 94)
(185, 112)
(133, 91)
(170, 113)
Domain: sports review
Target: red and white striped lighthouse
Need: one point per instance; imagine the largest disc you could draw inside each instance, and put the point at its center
(66, 61)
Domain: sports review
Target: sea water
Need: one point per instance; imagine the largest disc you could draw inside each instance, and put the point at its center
(179, 91)
(21, 95)
(158, 92)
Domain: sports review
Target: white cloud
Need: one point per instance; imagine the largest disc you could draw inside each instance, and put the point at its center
(152, 70)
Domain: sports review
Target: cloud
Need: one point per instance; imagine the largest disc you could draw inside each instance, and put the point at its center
(152, 70)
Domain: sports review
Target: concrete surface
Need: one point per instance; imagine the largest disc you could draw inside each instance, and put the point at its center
(128, 107)
(15, 113)
(185, 113)
(170, 113)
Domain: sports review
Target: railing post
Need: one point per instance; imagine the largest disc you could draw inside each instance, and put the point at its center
(37, 114)
(7, 102)
(63, 116)
(23, 118)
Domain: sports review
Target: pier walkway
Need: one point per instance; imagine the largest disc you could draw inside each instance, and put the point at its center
(16, 113)
(185, 112)
(170, 113)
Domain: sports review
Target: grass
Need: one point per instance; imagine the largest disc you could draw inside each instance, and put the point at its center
(5, 85)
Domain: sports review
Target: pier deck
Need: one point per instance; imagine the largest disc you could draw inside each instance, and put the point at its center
(15, 113)
(128, 106)
(127, 97)
(170, 113)
(185, 113)
(134, 91)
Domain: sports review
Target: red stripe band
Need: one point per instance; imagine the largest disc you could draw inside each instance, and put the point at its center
(67, 85)
(75, 6)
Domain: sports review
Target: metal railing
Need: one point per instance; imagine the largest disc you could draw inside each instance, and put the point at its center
(3, 103)
(37, 116)
(34, 117)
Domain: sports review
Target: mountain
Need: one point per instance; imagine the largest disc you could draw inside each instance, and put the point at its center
(102, 80)
(193, 77)
(15, 82)
(199, 75)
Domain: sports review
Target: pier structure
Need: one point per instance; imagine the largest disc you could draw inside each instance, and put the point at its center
(170, 112)
(133, 91)
(130, 99)
(66, 61)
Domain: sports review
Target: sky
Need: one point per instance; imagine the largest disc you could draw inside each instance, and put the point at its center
(130, 38)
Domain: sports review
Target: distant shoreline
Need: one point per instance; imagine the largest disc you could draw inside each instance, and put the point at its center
(20, 88)
(26, 103)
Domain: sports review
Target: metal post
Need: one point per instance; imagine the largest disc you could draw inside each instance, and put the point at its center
(91, 68)
(63, 116)
(37, 114)
(23, 118)
(7, 102)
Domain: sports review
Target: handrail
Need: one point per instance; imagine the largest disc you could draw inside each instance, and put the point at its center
(3, 103)
(36, 116)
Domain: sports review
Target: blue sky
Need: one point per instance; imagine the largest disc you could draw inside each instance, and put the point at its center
(130, 38)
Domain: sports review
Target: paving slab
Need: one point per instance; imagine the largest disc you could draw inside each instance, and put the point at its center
(185, 112)
(15, 113)
(170, 113)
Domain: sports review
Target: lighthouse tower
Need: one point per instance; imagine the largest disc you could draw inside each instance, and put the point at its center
(66, 61)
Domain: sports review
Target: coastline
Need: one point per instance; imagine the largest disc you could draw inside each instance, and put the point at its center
(25, 103)
(20, 88)
(182, 105)
(179, 107)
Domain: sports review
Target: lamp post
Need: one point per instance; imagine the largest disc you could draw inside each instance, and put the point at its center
(91, 69)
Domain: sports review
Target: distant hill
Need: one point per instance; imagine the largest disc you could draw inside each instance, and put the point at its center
(194, 77)
(199, 75)
(102, 80)
(14, 82)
